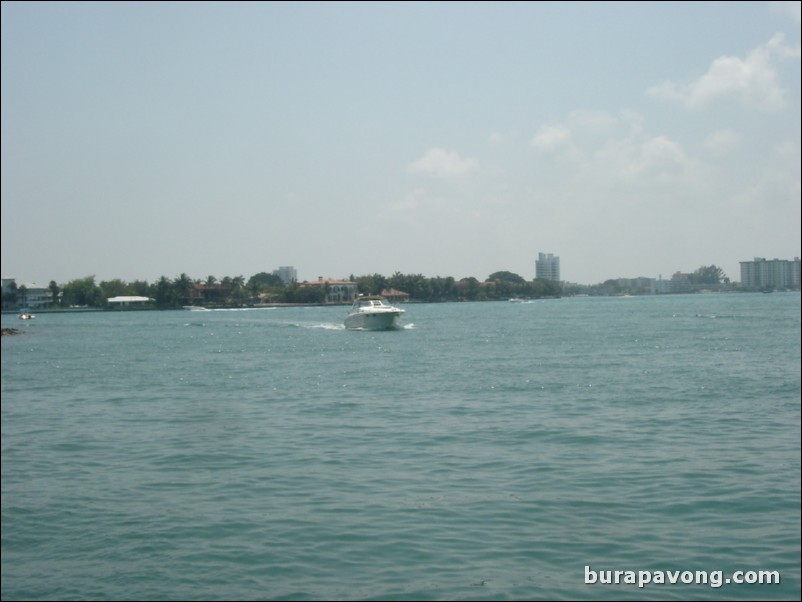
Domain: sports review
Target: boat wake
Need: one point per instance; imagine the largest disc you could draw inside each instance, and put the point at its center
(324, 326)
(228, 309)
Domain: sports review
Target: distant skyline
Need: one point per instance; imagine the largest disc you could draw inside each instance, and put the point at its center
(629, 139)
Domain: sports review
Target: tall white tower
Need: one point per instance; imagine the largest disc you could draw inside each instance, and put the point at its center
(547, 267)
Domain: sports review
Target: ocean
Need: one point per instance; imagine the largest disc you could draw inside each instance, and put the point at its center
(485, 451)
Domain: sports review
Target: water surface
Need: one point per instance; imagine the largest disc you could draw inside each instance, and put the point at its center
(485, 451)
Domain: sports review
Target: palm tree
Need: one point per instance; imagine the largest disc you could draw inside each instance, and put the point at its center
(164, 292)
(182, 285)
(22, 295)
(54, 290)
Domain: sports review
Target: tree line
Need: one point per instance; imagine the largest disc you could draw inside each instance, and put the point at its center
(265, 288)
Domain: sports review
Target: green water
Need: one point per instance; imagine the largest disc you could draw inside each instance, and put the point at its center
(485, 451)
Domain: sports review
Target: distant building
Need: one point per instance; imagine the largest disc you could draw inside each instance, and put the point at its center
(9, 293)
(129, 301)
(770, 274)
(679, 283)
(33, 296)
(395, 296)
(287, 273)
(337, 291)
(547, 267)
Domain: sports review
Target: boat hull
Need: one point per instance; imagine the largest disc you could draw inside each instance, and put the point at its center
(386, 320)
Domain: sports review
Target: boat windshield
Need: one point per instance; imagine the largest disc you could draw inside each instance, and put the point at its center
(373, 303)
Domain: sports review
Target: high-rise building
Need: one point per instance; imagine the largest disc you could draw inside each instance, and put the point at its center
(772, 273)
(547, 267)
(287, 273)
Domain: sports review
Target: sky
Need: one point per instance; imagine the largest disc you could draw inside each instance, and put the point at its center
(142, 140)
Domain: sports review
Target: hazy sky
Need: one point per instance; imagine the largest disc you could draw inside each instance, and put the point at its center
(142, 140)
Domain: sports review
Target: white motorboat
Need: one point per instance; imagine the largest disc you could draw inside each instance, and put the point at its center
(373, 313)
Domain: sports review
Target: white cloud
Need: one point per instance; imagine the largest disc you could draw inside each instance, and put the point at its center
(550, 137)
(722, 141)
(634, 121)
(580, 129)
(607, 151)
(591, 120)
(440, 162)
(751, 81)
(778, 46)
(495, 138)
(662, 154)
(780, 181)
(639, 163)
(409, 203)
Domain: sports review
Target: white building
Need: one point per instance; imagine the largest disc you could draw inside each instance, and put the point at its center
(128, 301)
(287, 273)
(337, 291)
(773, 273)
(547, 267)
(679, 283)
(33, 296)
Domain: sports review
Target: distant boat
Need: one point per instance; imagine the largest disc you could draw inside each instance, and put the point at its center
(25, 314)
(195, 308)
(373, 313)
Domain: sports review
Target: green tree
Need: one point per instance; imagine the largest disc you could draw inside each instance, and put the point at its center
(240, 296)
(83, 292)
(182, 287)
(141, 288)
(506, 277)
(305, 294)
(263, 282)
(22, 295)
(442, 289)
(266, 287)
(164, 293)
(417, 285)
(54, 291)
(373, 284)
(114, 288)
(11, 296)
(469, 288)
(448, 288)
(710, 274)
(238, 293)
